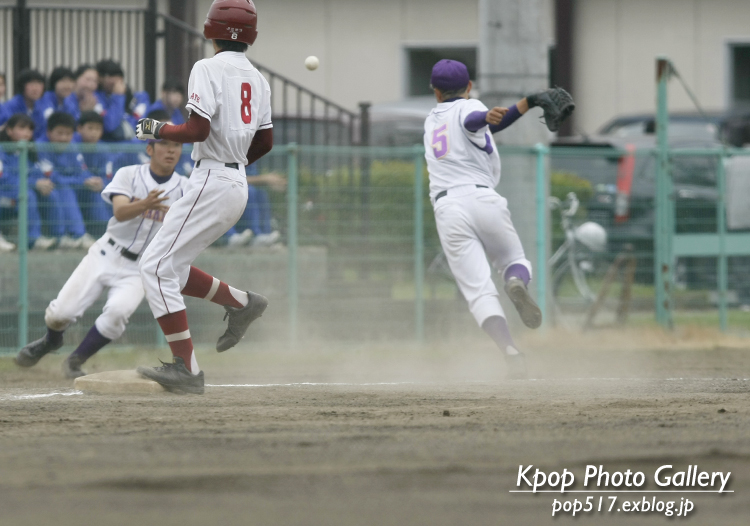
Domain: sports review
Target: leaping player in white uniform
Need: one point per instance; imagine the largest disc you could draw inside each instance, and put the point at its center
(140, 196)
(472, 219)
(230, 123)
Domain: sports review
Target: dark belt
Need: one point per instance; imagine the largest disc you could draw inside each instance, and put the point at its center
(445, 192)
(127, 254)
(236, 166)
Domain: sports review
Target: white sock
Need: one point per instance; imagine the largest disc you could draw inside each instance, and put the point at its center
(194, 364)
(511, 351)
(239, 295)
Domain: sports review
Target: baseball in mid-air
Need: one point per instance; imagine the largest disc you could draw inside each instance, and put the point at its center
(312, 62)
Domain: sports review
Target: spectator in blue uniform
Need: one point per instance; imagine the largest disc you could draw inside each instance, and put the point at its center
(84, 97)
(134, 105)
(63, 177)
(112, 96)
(29, 89)
(254, 227)
(60, 86)
(103, 165)
(172, 100)
(20, 127)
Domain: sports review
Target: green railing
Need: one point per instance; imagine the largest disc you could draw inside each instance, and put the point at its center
(358, 239)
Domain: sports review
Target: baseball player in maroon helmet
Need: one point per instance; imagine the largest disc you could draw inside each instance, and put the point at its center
(229, 103)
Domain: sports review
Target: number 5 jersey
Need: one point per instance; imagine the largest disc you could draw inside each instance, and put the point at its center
(456, 156)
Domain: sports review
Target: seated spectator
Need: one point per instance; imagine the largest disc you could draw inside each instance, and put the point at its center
(61, 83)
(20, 127)
(84, 97)
(100, 164)
(116, 96)
(3, 88)
(63, 177)
(29, 89)
(171, 101)
(254, 227)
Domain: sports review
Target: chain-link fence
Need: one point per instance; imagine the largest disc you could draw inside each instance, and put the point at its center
(346, 248)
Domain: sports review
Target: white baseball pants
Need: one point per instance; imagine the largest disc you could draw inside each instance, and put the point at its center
(102, 267)
(474, 224)
(214, 202)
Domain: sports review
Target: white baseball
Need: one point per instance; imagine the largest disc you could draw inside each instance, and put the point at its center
(312, 62)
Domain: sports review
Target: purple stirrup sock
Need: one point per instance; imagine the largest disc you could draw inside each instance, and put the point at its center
(497, 328)
(90, 345)
(54, 337)
(518, 271)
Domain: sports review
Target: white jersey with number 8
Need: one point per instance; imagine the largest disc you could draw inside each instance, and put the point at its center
(230, 92)
(456, 156)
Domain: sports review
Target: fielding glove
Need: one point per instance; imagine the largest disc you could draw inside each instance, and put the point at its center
(556, 103)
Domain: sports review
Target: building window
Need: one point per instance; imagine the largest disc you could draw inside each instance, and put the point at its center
(740, 75)
(420, 61)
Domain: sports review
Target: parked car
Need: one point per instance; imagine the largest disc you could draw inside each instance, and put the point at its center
(624, 192)
(732, 128)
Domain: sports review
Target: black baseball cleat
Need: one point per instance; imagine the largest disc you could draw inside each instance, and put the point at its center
(35, 351)
(174, 377)
(516, 367)
(71, 367)
(524, 303)
(240, 320)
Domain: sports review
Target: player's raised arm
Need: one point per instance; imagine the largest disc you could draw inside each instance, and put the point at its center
(196, 129)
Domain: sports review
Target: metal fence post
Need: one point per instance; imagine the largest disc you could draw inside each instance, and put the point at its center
(541, 230)
(21, 38)
(149, 48)
(664, 229)
(419, 243)
(292, 230)
(721, 219)
(23, 245)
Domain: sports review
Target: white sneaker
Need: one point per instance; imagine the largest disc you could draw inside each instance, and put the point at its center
(67, 242)
(266, 240)
(5, 245)
(86, 241)
(44, 243)
(240, 239)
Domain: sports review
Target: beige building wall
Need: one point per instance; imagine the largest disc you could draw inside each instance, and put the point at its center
(616, 43)
(360, 43)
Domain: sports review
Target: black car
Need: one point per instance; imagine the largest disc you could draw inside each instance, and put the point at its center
(624, 189)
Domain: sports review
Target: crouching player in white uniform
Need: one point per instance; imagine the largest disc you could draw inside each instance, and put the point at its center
(140, 196)
(473, 220)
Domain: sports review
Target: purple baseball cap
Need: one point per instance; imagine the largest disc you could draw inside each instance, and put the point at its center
(449, 75)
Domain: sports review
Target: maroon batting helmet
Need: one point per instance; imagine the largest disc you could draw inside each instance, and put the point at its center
(233, 20)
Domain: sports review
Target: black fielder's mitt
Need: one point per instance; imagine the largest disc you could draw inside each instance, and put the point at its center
(556, 103)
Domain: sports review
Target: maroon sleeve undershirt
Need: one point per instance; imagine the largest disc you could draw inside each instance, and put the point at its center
(196, 129)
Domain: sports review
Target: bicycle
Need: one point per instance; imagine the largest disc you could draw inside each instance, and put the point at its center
(579, 255)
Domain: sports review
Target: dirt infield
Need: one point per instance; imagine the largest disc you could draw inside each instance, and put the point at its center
(378, 435)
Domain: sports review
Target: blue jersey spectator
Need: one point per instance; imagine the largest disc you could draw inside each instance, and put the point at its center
(20, 127)
(117, 99)
(171, 101)
(99, 164)
(59, 87)
(84, 96)
(29, 89)
(255, 226)
(65, 169)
